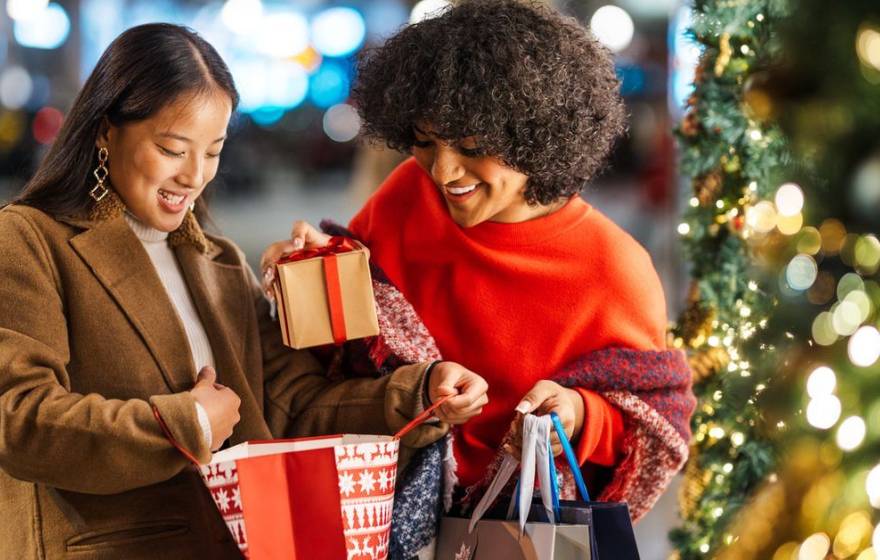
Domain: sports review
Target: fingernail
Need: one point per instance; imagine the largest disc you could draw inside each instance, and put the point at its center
(298, 243)
(523, 407)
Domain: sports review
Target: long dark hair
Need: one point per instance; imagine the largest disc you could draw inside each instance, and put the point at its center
(143, 70)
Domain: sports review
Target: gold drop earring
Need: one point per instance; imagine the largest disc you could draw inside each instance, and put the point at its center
(99, 191)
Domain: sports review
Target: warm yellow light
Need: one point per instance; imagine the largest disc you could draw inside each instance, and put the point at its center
(864, 346)
(862, 301)
(846, 317)
(790, 225)
(855, 529)
(867, 253)
(788, 551)
(815, 547)
(823, 329)
(851, 433)
(868, 46)
(821, 382)
(823, 411)
(789, 199)
(684, 229)
(762, 216)
(872, 487)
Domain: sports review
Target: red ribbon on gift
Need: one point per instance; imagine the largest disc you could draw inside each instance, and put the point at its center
(335, 246)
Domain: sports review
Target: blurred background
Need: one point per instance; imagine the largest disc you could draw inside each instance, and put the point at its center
(293, 151)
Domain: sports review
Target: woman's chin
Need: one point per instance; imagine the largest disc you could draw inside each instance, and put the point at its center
(465, 219)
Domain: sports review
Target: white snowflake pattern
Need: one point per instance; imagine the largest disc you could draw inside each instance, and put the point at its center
(384, 480)
(222, 499)
(464, 553)
(366, 481)
(236, 497)
(346, 484)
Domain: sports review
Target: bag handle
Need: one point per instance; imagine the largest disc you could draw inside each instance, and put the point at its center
(570, 456)
(505, 471)
(536, 459)
(418, 420)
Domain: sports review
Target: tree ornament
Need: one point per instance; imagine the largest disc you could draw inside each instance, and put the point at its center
(707, 187)
(724, 54)
(706, 362)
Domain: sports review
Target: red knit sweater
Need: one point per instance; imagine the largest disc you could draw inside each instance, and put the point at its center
(516, 302)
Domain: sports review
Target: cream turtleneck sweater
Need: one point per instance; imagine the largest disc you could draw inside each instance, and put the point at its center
(155, 242)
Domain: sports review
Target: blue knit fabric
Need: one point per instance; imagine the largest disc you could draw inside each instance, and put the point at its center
(417, 503)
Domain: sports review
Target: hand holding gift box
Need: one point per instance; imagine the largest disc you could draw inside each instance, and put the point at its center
(325, 294)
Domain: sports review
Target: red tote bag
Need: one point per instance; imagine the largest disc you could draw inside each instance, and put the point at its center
(311, 498)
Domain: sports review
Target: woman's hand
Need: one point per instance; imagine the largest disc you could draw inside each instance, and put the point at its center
(220, 403)
(303, 236)
(450, 378)
(546, 397)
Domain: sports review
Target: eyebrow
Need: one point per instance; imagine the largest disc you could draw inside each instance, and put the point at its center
(185, 139)
(419, 130)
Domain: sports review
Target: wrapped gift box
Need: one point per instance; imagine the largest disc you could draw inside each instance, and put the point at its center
(325, 295)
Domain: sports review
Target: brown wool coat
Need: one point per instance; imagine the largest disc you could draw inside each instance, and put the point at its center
(89, 340)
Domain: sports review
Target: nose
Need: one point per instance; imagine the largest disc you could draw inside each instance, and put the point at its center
(446, 167)
(192, 173)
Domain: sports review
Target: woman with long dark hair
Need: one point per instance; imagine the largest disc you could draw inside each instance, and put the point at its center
(117, 312)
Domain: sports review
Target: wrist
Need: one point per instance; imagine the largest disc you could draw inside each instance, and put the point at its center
(426, 393)
(580, 411)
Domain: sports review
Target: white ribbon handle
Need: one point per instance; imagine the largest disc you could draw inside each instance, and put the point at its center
(505, 471)
(536, 456)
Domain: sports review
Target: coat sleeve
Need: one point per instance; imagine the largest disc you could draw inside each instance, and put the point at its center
(49, 434)
(300, 400)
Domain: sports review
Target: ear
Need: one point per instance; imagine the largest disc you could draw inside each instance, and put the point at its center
(105, 132)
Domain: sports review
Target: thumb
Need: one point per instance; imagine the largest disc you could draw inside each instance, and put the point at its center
(534, 398)
(207, 375)
(449, 377)
(444, 390)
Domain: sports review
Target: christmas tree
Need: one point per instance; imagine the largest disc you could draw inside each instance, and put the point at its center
(786, 457)
(732, 154)
(824, 91)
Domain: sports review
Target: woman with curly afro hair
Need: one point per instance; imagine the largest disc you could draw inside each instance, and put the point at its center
(509, 109)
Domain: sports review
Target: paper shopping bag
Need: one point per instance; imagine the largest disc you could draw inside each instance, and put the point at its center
(547, 528)
(493, 539)
(328, 497)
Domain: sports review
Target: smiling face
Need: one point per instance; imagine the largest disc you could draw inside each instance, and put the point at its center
(160, 165)
(476, 188)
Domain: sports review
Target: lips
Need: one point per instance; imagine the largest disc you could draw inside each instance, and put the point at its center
(460, 193)
(171, 201)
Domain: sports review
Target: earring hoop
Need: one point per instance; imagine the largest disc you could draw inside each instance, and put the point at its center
(99, 191)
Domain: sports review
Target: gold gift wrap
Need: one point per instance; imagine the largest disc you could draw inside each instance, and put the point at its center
(305, 302)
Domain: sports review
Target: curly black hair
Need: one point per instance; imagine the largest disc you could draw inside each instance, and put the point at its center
(534, 87)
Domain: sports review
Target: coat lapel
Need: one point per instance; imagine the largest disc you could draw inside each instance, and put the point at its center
(122, 266)
(222, 298)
